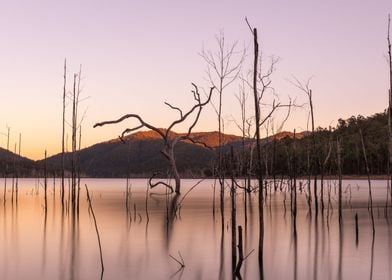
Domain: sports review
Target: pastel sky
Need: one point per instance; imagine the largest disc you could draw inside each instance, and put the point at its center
(137, 54)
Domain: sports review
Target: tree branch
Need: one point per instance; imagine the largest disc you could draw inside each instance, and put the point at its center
(174, 108)
(153, 185)
(135, 116)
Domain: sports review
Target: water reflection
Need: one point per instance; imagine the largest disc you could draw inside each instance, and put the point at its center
(137, 240)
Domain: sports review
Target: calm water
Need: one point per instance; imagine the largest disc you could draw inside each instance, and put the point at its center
(35, 245)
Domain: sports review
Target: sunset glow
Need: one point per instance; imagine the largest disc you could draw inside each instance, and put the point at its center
(135, 56)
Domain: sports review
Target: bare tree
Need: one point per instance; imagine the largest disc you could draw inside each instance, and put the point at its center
(322, 169)
(258, 148)
(75, 101)
(46, 183)
(305, 87)
(223, 68)
(276, 128)
(370, 204)
(20, 143)
(168, 138)
(223, 71)
(339, 165)
(242, 97)
(63, 134)
(8, 138)
(261, 85)
(74, 97)
(243, 165)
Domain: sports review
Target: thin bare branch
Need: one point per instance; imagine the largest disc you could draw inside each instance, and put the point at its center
(153, 185)
(174, 108)
(134, 116)
(247, 22)
(199, 106)
(303, 86)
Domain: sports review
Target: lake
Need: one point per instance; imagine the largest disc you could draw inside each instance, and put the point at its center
(144, 239)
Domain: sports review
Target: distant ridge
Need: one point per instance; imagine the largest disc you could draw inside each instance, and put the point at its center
(140, 155)
(284, 134)
(11, 164)
(211, 139)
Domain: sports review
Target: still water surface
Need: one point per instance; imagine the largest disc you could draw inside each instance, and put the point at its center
(137, 242)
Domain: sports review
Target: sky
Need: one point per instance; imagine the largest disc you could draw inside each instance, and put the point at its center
(135, 55)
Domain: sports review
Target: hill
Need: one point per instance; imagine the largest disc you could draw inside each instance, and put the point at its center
(11, 164)
(140, 155)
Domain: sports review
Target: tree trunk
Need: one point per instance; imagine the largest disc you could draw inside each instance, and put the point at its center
(173, 167)
(258, 151)
(339, 158)
(62, 137)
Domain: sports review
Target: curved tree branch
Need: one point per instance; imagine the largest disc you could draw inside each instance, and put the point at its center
(198, 106)
(174, 108)
(135, 116)
(153, 185)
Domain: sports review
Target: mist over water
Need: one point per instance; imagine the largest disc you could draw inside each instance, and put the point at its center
(137, 242)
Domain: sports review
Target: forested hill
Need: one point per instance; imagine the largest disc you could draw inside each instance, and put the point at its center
(348, 133)
(12, 164)
(141, 156)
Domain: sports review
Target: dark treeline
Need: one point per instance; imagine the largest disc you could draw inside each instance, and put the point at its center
(278, 159)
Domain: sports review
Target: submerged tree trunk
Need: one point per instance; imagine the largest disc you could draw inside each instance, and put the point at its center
(258, 152)
(62, 136)
(46, 184)
(73, 137)
(390, 105)
(294, 186)
(368, 177)
(322, 171)
(339, 163)
(233, 215)
(314, 154)
(176, 175)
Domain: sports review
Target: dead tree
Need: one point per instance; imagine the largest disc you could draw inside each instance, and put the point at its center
(243, 159)
(322, 171)
(20, 143)
(233, 214)
(242, 97)
(258, 148)
(221, 72)
(8, 138)
(370, 205)
(314, 163)
(62, 136)
(75, 98)
(74, 128)
(46, 183)
(75, 125)
(169, 139)
(274, 142)
(293, 190)
(261, 85)
(339, 165)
